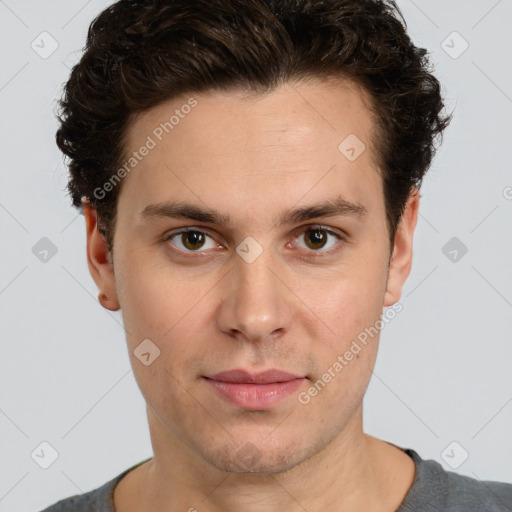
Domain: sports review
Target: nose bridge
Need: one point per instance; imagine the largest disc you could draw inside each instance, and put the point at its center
(255, 305)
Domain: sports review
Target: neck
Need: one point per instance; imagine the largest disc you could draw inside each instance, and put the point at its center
(354, 472)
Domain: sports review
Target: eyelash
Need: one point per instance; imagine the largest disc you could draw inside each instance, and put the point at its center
(314, 253)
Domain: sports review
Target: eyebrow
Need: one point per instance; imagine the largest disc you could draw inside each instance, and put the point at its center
(184, 210)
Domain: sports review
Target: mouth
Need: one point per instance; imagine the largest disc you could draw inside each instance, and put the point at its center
(257, 391)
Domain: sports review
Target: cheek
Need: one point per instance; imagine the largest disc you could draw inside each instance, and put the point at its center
(349, 299)
(167, 310)
(161, 302)
(350, 304)
(173, 310)
(345, 359)
(156, 298)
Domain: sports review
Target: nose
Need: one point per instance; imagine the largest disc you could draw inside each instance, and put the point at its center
(256, 303)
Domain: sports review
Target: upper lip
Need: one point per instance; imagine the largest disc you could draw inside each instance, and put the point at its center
(244, 377)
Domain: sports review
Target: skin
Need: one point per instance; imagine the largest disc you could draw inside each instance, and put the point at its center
(293, 308)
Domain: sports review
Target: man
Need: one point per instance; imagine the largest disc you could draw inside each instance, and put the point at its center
(249, 173)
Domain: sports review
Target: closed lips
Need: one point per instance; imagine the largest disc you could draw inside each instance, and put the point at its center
(239, 376)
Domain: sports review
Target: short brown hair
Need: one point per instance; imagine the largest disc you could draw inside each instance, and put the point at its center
(141, 53)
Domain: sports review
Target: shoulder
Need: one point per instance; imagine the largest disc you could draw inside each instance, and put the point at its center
(97, 500)
(435, 489)
(470, 494)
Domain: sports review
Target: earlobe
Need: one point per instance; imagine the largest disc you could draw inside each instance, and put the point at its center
(99, 260)
(401, 260)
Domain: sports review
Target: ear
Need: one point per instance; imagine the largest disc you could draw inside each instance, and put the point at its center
(99, 260)
(401, 261)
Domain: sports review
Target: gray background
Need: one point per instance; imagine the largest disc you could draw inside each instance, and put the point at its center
(443, 371)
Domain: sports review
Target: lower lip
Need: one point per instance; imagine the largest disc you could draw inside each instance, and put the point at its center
(256, 396)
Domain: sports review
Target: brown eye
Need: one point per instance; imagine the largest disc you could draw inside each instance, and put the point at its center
(192, 240)
(316, 238)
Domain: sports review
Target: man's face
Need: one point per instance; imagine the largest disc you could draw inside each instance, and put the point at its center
(255, 293)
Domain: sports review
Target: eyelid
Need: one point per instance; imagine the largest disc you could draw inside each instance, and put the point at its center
(340, 235)
(178, 231)
(301, 229)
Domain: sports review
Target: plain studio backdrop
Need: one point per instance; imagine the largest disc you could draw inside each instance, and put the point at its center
(442, 380)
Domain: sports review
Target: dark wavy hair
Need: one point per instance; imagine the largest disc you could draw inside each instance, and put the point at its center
(140, 53)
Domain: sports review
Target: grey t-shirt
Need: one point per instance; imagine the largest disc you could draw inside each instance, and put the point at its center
(433, 490)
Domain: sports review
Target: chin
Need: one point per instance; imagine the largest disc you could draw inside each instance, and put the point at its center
(267, 460)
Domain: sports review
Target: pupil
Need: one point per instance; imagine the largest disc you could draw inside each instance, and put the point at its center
(316, 236)
(192, 239)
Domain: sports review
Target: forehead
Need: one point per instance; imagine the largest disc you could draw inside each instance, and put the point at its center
(302, 110)
(233, 147)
